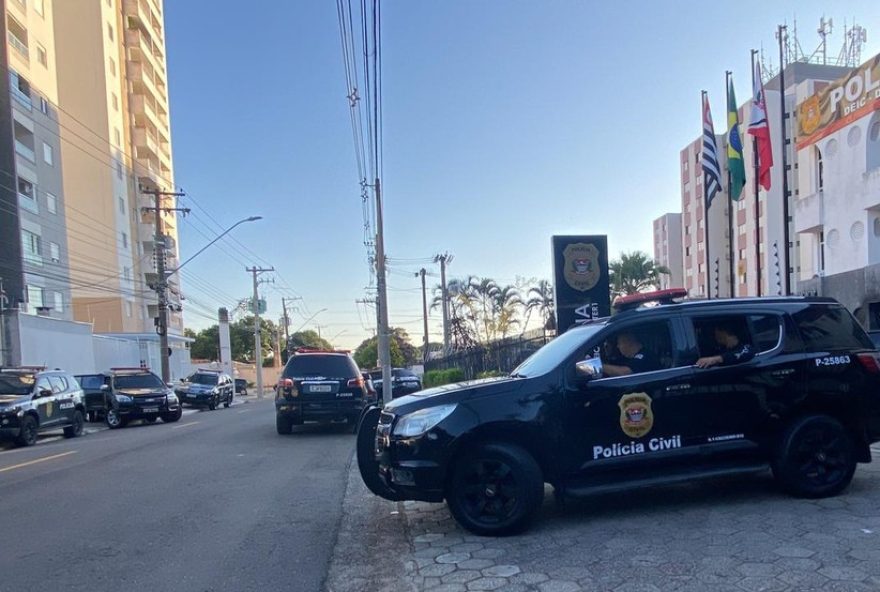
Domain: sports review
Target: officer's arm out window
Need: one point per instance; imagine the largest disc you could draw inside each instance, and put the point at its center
(724, 340)
(638, 349)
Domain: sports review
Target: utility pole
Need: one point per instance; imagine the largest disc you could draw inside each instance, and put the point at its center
(258, 347)
(443, 260)
(783, 116)
(382, 302)
(422, 272)
(286, 322)
(757, 195)
(161, 286)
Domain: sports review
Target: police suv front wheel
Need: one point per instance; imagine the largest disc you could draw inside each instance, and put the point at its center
(816, 457)
(495, 490)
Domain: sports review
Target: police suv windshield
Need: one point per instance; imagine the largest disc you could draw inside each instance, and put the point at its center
(138, 381)
(554, 353)
(203, 378)
(12, 383)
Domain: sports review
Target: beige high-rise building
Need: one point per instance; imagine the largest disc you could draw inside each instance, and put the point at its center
(116, 139)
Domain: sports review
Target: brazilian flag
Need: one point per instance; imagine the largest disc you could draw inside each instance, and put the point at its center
(734, 147)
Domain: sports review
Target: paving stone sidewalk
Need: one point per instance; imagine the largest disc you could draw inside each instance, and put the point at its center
(737, 534)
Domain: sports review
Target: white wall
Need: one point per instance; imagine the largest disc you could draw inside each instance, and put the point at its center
(113, 352)
(55, 343)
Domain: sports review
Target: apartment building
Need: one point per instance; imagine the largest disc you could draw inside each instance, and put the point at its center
(36, 265)
(668, 249)
(116, 139)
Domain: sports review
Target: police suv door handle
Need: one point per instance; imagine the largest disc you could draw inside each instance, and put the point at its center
(678, 387)
(783, 372)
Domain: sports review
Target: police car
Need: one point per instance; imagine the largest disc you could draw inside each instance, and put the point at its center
(664, 391)
(206, 388)
(137, 393)
(33, 400)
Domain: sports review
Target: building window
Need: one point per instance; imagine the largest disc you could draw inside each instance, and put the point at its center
(110, 32)
(55, 252)
(126, 272)
(52, 203)
(742, 253)
(121, 205)
(30, 247)
(117, 137)
(24, 141)
(48, 154)
(41, 56)
(873, 143)
(820, 171)
(114, 100)
(128, 308)
(21, 89)
(112, 66)
(44, 106)
(124, 241)
(39, 8)
(821, 251)
(59, 302)
(26, 189)
(34, 298)
(119, 173)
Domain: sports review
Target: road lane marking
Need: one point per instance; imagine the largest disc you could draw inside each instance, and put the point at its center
(184, 425)
(244, 410)
(35, 461)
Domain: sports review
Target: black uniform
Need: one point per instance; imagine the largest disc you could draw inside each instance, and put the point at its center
(737, 354)
(641, 362)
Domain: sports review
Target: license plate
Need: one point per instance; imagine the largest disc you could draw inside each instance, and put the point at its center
(190, 396)
(320, 388)
(151, 410)
(344, 394)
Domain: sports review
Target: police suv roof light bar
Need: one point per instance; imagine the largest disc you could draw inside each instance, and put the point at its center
(668, 296)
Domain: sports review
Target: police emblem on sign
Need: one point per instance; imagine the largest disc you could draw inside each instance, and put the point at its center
(636, 416)
(581, 266)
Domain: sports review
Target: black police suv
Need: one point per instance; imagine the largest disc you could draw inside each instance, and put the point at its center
(241, 386)
(93, 395)
(137, 393)
(319, 386)
(206, 388)
(33, 400)
(647, 396)
(403, 382)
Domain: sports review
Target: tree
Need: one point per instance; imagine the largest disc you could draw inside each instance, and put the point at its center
(540, 300)
(206, 345)
(480, 310)
(241, 341)
(633, 273)
(403, 353)
(307, 338)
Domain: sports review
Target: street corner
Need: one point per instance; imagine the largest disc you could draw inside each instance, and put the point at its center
(729, 534)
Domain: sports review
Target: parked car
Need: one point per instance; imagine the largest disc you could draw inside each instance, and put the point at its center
(652, 395)
(137, 393)
(93, 395)
(206, 388)
(319, 386)
(403, 381)
(34, 400)
(241, 386)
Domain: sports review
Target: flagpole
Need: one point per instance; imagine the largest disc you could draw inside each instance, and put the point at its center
(785, 237)
(730, 249)
(704, 96)
(757, 203)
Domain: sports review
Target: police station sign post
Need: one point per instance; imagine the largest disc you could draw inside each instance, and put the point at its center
(580, 279)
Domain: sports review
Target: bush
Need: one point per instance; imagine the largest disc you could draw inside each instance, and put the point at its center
(441, 377)
(490, 374)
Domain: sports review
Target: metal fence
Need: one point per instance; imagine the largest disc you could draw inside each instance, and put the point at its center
(499, 356)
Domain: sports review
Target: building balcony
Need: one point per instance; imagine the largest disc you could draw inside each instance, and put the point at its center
(141, 45)
(808, 213)
(19, 46)
(141, 76)
(24, 151)
(145, 141)
(145, 14)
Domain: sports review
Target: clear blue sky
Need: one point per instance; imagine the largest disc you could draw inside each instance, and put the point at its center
(505, 123)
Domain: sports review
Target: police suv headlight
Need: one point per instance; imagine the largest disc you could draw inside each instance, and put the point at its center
(123, 399)
(11, 410)
(171, 399)
(418, 422)
(215, 391)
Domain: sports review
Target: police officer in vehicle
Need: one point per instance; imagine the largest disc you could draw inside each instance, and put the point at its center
(634, 357)
(730, 349)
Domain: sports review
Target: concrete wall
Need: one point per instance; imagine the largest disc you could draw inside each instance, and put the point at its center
(55, 343)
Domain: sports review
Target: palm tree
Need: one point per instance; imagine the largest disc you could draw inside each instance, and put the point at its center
(633, 273)
(540, 299)
(506, 303)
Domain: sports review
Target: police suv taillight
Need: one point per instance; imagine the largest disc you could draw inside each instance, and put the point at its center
(356, 382)
(870, 361)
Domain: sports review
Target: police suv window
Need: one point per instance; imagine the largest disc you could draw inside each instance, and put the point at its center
(825, 328)
(765, 331)
(641, 348)
(59, 385)
(43, 384)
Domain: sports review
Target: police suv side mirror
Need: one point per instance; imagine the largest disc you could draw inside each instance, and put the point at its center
(105, 387)
(589, 369)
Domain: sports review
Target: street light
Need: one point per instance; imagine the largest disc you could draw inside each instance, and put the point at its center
(162, 291)
(218, 237)
(308, 320)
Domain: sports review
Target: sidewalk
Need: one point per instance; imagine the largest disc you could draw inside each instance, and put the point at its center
(725, 535)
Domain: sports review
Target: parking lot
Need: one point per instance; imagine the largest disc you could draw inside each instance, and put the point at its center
(737, 534)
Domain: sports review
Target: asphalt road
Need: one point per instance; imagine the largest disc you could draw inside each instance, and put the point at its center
(216, 502)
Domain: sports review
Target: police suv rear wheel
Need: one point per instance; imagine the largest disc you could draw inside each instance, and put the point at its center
(283, 425)
(816, 458)
(75, 429)
(495, 490)
(27, 436)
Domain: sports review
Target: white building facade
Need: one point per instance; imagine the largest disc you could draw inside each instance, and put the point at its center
(668, 249)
